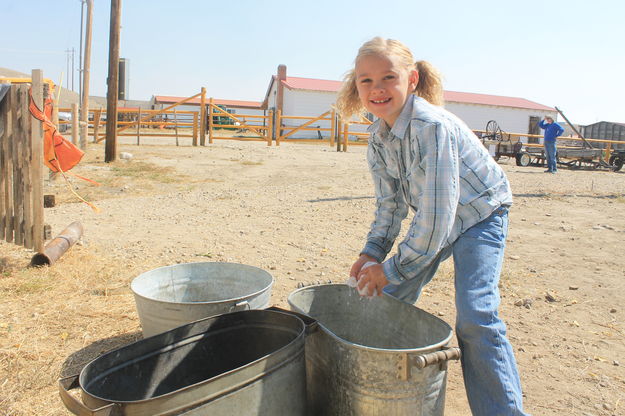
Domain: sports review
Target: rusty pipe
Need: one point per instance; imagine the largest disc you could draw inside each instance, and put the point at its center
(58, 246)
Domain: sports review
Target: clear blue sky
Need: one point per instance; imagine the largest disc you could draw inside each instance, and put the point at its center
(564, 53)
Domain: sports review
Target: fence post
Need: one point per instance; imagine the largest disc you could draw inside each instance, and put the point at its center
(36, 161)
(23, 127)
(176, 126)
(269, 128)
(203, 118)
(5, 138)
(26, 185)
(210, 121)
(345, 136)
(75, 123)
(278, 127)
(96, 124)
(332, 127)
(15, 152)
(139, 126)
(195, 128)
(7, 170)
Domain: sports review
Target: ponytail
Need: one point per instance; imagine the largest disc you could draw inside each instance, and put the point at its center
(348, 103)
(430, 85)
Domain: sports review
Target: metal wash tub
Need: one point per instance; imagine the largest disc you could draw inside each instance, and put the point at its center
(240, 363)
(377, 356)
(171, 296)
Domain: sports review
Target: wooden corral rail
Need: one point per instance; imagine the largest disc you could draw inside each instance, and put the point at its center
(329, 115)
(172, 123)
(361, 137)
(21, 164)
(259, 124)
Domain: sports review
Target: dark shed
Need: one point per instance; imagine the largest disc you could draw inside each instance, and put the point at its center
(606, 130)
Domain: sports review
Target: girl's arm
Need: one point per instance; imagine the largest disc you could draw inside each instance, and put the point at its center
(438, 202)
(391, 207)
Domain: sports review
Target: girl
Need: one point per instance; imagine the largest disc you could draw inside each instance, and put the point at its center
(424, 158)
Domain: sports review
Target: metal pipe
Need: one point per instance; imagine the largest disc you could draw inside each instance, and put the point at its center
(574, 129)
(58, 246)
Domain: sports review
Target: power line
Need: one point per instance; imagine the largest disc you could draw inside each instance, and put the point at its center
(31, 51)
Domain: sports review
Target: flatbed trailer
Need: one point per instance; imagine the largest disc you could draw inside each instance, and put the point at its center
(502, 144)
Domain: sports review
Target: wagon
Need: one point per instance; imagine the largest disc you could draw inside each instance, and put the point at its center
(500, 144)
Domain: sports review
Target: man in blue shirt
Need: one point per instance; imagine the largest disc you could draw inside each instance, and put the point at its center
(552, 131)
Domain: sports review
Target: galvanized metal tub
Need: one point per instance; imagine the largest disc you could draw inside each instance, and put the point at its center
(240, 363)
(171, 296)
(377, 356)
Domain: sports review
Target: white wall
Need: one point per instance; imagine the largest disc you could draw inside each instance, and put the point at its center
(273, 93)
(510, 120)
(307, 103)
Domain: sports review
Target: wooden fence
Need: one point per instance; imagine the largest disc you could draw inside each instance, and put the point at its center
(21, 165)
(269, 127)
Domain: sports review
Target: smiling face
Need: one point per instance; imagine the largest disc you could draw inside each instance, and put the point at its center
(383, 85)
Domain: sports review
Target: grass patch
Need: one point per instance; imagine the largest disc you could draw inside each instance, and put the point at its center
(250, 163)
(145, 170)
(27, 284)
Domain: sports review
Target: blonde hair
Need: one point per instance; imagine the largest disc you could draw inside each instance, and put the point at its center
(430, 85)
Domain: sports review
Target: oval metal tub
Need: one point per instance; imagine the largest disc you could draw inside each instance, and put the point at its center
(240, 363)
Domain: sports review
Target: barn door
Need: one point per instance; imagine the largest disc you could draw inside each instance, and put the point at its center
(533, 129)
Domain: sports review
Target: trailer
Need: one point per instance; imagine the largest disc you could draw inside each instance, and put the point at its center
(573, 158)
(502, 144)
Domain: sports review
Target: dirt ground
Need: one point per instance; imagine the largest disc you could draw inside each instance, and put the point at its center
(302, 212)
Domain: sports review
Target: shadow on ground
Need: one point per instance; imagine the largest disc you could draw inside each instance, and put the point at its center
(76, 361)
(340, 198)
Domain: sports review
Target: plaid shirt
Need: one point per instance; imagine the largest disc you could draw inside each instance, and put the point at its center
(432, 162)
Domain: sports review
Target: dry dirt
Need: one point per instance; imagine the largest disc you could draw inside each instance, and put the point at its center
(302, 212)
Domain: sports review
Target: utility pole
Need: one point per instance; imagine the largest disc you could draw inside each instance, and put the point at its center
(110, 154)
(84, 112)
(73, 50)
(67, 73)
(82, 24)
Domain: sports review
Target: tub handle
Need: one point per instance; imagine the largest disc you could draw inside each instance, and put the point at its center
(76, 407)
(240, 306)
(422, 361)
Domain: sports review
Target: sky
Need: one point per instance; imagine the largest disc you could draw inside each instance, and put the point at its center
(564, 53)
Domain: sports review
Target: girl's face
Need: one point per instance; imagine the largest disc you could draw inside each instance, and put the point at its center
(383, 86)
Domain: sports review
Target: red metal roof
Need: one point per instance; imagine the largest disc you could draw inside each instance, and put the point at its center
(451, 96)
(498, 100)
(296, 83)
(168, 99)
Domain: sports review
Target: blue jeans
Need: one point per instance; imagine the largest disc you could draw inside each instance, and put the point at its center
(490, 373)
(550, 154)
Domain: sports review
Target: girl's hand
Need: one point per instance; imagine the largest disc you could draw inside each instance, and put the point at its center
(375, 277)
(355, 270)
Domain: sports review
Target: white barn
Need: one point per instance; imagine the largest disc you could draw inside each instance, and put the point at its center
(312, 97)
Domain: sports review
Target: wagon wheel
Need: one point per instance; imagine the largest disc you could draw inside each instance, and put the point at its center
(523, 159)
(493, 132)
(616, 163)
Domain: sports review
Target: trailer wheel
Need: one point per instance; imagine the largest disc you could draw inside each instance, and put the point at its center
(523, 159)
(616, 162)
